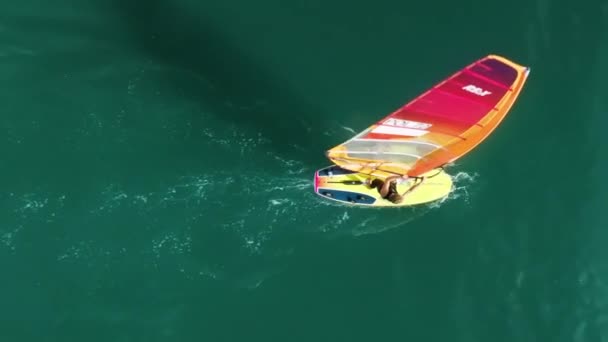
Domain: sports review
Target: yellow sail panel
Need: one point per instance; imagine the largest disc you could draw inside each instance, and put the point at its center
(439, 126)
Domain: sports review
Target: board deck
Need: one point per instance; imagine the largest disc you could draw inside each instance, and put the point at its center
(349, 187)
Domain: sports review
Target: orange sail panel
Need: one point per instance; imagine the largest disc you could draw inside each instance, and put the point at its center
(439, 126)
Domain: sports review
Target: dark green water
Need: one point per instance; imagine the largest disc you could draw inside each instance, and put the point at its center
(157, 160)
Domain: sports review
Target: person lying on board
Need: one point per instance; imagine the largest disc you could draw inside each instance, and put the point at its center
(387, 189)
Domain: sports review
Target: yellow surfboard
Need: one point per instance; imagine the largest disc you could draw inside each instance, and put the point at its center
(349, 187)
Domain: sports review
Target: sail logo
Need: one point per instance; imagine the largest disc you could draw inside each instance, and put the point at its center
(406, 123)
(476, 90)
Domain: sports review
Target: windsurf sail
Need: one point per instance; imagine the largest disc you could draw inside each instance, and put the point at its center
(439, 126)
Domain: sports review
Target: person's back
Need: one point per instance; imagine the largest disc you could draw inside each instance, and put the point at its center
(387, 189)
(393, 195)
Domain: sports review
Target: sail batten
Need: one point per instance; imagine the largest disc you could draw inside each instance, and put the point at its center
(386, 153)
(403, 142)
(440, 125)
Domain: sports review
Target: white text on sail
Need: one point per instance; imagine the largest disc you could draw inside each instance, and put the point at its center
(476, 90)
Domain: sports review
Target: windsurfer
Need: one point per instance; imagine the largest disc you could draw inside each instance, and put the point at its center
(387, 188)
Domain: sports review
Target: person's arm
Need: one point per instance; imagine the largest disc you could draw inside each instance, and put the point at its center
(386, 185)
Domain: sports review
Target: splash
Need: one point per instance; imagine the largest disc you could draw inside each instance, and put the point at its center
(462, 184)
(370, 226)
(348, 129)
(24, 212)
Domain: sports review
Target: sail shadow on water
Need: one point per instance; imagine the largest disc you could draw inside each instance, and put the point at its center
(223, 76)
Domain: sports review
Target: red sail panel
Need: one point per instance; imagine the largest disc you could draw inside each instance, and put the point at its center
(440, 125)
